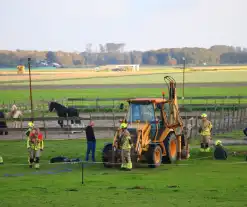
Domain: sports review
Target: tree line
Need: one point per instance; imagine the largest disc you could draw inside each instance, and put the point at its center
(113, 53)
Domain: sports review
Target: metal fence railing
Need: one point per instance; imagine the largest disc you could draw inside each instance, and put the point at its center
(97, 104)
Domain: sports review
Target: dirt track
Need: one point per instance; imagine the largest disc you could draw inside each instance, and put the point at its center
(84, 86)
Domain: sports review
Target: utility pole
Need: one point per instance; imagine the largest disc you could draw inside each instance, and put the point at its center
(183, 75)
(30, 88)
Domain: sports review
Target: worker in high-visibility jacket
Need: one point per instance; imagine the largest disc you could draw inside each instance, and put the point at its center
(205, 132)
(35, 144)
(27, 133)
(125, 146)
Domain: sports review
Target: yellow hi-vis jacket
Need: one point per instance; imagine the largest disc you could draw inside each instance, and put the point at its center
(35, 142)
(206, 127)
(126, 141)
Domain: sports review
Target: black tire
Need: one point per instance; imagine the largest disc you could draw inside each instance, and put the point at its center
(107, 156)
(171, 149)
(154, 156)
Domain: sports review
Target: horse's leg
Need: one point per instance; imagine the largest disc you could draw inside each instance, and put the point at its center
(6, 127)
(60, 123)
(13, 124)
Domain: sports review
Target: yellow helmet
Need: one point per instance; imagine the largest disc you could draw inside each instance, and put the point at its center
(204, 115)
(30, 124)
(123, 126)
(218, 142)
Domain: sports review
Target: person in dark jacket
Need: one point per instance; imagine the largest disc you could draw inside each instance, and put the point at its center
(91, 141)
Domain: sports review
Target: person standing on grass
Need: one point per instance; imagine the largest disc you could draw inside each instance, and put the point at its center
(205, 132)
(35, 145)
(91, 141)
(125, 145)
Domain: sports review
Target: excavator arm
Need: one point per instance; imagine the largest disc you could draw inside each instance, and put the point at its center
(174, 120)
(142, 139)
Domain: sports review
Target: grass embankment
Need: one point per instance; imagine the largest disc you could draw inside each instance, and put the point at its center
(201, 182)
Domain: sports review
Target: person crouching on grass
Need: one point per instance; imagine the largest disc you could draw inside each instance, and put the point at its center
(35, 144)
(91, 141)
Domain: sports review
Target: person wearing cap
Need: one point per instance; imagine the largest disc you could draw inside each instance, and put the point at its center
(125, 146)
(205, 132)
(35, 144)
(220, 153)
(91, 141)
(27, 133)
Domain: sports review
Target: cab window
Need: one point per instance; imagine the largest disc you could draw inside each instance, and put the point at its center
(142, 112)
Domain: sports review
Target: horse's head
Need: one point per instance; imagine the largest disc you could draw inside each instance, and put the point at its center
(14, 108)
(51, 106)
(54, 106)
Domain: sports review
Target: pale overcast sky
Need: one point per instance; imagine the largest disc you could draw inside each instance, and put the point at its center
(141, 24)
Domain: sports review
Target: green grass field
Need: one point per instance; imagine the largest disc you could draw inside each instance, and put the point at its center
(22, 96)
(193, 183)
(190, 77)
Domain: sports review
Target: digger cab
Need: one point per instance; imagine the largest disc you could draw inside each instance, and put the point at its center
(143, 111)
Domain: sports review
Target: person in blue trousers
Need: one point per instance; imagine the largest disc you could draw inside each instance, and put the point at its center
(245, 131)
(91, 141)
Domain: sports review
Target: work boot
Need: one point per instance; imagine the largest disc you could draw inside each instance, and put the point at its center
(1, 160)
(129, 166)
(36, 166)
(202, 147)
(123, 166)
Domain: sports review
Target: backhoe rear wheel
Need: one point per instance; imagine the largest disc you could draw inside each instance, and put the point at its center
(171, 149)
(154, 157)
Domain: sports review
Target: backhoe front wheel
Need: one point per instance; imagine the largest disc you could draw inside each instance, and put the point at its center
(154, 156)
(171, 149)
